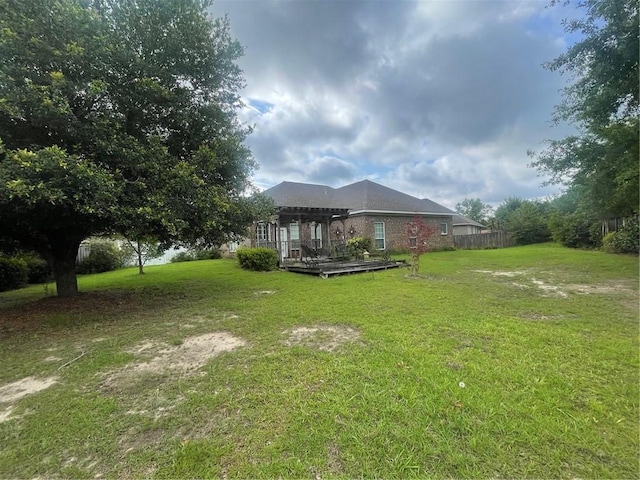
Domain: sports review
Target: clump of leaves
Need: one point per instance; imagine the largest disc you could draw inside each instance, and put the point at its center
(358, 245)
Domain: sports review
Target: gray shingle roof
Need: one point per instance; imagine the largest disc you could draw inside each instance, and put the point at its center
(307, 195)
(462, 220)
(364, 195)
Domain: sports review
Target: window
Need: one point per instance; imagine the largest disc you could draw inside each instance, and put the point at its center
(444, 229)
(412, 231)
(378, 234)
(316, 235)
(294, 232)
(263, 234)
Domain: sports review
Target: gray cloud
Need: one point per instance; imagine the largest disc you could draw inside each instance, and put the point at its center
(437, 99)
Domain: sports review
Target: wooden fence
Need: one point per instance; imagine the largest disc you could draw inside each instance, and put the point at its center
(499, 239)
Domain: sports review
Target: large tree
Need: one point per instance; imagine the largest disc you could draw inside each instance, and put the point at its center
(602, 102)
(119, 116)
(474, 209)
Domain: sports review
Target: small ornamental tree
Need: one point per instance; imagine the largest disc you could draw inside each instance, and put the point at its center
(418, 235)
(142, 250)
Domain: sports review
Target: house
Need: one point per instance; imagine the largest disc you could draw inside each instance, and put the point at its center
(322, 218)
(466, 226)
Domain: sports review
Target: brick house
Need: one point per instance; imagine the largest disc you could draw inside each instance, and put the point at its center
(322, 218)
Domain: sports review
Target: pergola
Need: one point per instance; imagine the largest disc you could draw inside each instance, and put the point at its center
(307, 215)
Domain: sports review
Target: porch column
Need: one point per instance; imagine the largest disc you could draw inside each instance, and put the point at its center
(278, 240)
(328, 229)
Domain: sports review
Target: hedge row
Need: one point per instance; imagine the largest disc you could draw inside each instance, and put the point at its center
(18, 271)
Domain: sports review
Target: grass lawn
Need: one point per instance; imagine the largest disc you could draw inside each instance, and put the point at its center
(516, 363)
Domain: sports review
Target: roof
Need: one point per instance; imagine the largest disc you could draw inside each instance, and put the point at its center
(462, 220)
(360, 197)
(307, 195)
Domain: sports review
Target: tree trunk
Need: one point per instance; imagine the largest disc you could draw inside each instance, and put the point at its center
(140, 262)
(62, 258)
(64, 271)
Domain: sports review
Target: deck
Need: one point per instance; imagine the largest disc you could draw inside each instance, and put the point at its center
(328, 268)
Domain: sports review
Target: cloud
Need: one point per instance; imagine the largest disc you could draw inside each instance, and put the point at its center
(437, 99)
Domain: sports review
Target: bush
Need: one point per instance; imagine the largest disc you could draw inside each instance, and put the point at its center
(258, 259)
(104, 256)
(182, 257)
(206, 254)
(38, 270)
(358, 245)
(625, 240)
(196, 254)
(527, 224)
(575, 230)
(13, 273)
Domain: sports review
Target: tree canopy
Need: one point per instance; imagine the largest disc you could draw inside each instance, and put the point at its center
(474, 209)
(119, 116)
(602, 102)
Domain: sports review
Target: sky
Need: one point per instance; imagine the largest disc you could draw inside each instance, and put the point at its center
(436, 99)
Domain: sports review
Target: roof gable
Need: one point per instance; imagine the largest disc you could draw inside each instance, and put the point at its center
(363, 196)
(307, 195)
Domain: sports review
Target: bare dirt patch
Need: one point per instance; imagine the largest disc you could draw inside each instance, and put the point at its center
(609, 288)
(537, 317)
(514, 273)
(180, 360)
(548, 289)
(52, 359)
(322, 337)
(6, 414)
(27, 386)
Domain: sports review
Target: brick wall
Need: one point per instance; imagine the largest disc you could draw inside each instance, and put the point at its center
(396, 229)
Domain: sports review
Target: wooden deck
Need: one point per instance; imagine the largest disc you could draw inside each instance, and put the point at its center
(326, 269)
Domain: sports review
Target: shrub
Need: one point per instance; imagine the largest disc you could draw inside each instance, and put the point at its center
(625, 240)
(104, 256)
(206, 254)
(182, 257)
(196, 254)
(358, 245)
(13, 273)
(575, 230)
(527, 224)
(258, 259)
(38, 270)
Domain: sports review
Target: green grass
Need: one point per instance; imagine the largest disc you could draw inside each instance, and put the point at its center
(544, 339)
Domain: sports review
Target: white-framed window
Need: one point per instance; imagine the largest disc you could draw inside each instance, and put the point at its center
(263, 234)
(413, 236)
(316, 235)
(378, 235)
(444, 228)
(294, 234)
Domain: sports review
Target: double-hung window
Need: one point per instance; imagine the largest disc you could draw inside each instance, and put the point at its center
(294, 233)
(263, 234)
(316, 235)
(413, 236)
(378, 235)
